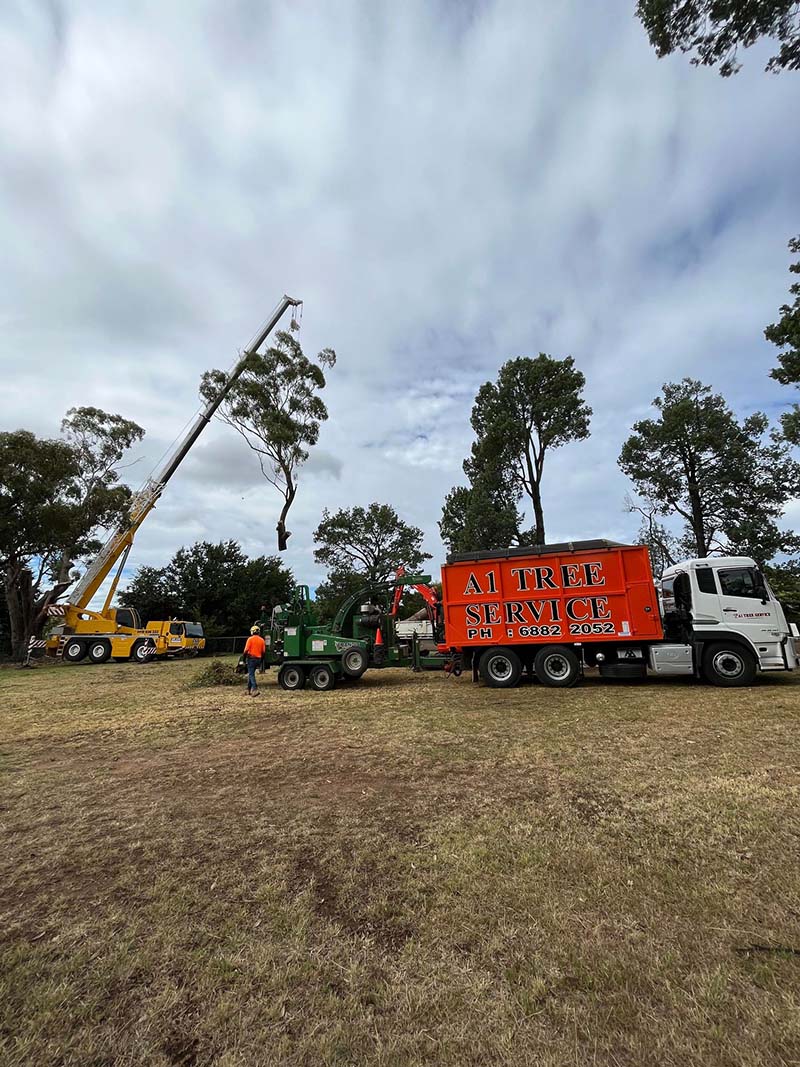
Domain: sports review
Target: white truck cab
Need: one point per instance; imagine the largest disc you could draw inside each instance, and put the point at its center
(724, 611)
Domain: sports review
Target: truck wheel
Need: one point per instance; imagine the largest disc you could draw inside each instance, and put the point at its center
(322, 678)
(729, 665)
(99, 651)
(557, 667)
(500, 668)
(291, 677)
(74, 651)
(354, 662)
(141, 651)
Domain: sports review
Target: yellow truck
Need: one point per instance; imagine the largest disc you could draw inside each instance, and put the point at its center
(181, 638)
(80, 633)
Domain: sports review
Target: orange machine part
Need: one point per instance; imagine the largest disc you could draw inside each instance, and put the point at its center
(604, 594)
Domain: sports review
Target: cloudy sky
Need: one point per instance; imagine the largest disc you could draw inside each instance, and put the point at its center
(446, 184)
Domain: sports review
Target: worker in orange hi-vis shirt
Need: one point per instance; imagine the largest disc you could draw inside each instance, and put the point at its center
(254, 651)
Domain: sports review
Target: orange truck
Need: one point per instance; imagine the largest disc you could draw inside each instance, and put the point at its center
(552, 610)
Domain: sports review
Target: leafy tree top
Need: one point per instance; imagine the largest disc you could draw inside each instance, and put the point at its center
(714, 30)
(371, 541)
(276, 407)
(725, 478)
(785, 333)
(535, 405)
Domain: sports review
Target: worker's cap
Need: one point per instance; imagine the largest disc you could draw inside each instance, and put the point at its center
(255, 629)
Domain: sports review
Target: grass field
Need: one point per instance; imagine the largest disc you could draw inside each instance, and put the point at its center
(412, 870)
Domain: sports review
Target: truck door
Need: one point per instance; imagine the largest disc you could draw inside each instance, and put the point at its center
(741, 599)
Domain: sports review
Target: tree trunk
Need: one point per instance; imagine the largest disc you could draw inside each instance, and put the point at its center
(534, 463)
(27, 611)
(698, 523)
(538, 515)
(283, 533)
(18, 588)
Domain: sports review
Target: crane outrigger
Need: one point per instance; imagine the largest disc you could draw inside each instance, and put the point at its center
(118, 632)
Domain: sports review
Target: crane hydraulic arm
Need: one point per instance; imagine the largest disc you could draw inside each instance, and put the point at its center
(425, 591)
(119, 543)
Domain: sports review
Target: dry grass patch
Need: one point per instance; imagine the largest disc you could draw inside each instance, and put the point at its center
(406, 871)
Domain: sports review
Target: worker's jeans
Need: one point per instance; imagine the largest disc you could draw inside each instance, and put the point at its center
(252, 663)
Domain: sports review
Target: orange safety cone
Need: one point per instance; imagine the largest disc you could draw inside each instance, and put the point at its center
(379, 638)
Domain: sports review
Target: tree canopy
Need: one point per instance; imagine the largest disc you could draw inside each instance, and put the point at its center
(276, 407)
(784, 579)
(338, 585)
(785, 333)
(215, 584)
(728, 480)
(535, 406)
(55, 497)
(479, 517)
(714, 30)
(372, 542)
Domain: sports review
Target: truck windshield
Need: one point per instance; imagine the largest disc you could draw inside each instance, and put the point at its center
(176, 627)
(194, 629)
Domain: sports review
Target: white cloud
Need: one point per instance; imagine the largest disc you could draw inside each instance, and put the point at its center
(445, 185)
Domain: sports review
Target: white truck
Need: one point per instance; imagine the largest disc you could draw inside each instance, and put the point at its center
(727, 618)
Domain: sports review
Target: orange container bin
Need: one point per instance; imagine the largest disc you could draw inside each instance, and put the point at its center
(584, 592)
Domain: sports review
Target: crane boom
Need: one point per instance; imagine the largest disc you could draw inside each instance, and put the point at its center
(145, 500)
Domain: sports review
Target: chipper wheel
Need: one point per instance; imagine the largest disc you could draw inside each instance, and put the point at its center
(354, 662)
(291, 677)
(321, 678)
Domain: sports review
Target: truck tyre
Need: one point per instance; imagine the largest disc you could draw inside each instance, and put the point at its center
(322, 678)
(557, 667)
(500, 668)
(291, 677)
(99, 651)
(74, 651)
(140, 653)
(354, 661)
(729, 665)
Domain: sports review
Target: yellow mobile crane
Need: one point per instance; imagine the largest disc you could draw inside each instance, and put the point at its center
(118, 632)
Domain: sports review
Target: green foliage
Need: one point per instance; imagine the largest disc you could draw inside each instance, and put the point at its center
(154, 595)
(39, 497)
(361, 546)
(217, 672)
(535, 406)
(727, 479)
(215, 584)
(715, 29)
(99, 440)
(329, 595)
(55, 495)
(786, 335)
(784, 579)
(371, 542)
(479, 517)
(276, 408)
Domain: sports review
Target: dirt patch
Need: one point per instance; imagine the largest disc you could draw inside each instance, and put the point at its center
(347, 905)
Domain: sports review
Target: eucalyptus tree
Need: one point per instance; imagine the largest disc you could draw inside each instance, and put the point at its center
(276, 407)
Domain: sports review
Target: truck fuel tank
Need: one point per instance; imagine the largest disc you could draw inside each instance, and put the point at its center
(671, 659)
